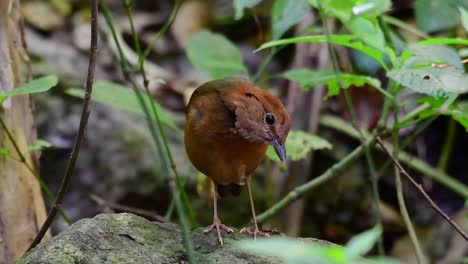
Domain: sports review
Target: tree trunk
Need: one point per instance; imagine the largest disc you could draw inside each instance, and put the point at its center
(22, 208)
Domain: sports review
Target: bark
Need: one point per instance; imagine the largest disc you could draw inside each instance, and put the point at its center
(22, 207)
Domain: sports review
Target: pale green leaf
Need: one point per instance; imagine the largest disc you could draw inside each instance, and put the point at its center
(39, 145)
(215, 54)
(464, 17)
(121, 97)
(362, 243)
(240, 5)
(309, 79)
(370, 33)
(35, 86)
(293, 250)
(371, 8)
(299, 144)
(426, 55)
(286, 14)
(437, 15)
(436, 82)
(350, 41)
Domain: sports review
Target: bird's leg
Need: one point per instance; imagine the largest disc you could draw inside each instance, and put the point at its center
(256, 231)
(216, 222)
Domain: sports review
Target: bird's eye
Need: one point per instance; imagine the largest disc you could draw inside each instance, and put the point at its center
(269, 119)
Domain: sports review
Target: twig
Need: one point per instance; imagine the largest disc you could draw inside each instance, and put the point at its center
(435, 65)
(421, 190)
(423, 167)
(81, 130)
(302, 190)
(154, 133)
(123, 208)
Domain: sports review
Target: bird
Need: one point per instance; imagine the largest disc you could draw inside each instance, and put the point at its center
(229, 124)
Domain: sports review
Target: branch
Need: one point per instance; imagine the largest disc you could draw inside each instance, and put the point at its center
(302, 190)
(81, 130)
(421, 190)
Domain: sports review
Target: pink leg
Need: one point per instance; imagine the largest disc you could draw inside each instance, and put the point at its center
(256, 231)
(216, 222)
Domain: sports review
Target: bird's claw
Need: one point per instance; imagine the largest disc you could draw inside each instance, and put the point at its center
(256, 232)
(218, 225)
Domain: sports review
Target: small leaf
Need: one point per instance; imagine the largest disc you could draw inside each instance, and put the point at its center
(464, 17)
(299, 144)
(122, 97)
(362, 243)
(436, 82)
(350, 41)
(293, 250)
(310, 79)
(215, 54)
(370, 33)
(240, 5)
(444, 41)
(39, 145)
(35, 86)
(286, 14)
(5, 152)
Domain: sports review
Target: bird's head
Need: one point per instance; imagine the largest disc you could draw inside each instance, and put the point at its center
(260, 116)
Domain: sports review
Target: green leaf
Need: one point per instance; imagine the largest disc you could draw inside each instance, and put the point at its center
(5, 152)
(371, 8)
(293, 250)
(39, 145)
(299, 144)
(444, 41)
(121, 97)
(437, 15)
(436, 82)
(425, 55)
(461, 114)
(215, 54)
(286, 14)
(370, 33)
(34, 86)
(350, 41)
(362, 243)
(310, 79)
(240, 5)
(464, 17)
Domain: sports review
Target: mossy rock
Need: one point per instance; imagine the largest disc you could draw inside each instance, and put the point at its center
(127, 238)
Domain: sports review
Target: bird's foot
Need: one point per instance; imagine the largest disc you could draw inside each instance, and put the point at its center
(218, 225)
(256, 232)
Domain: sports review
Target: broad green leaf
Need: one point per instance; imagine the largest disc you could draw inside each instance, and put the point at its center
(293, 250)
(35, 86)
(286, 14)
(436, 82)
(39, 145)
(370, 33)
(240, 5)
(310, 79)
(362, 243)
(464, 17)
(299, 144)
(121, 97)
(437, 15)
(215, 54)
(350, 41)
(5, 152)
(425, 55)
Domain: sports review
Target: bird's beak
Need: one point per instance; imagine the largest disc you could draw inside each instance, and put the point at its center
(279, 149)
